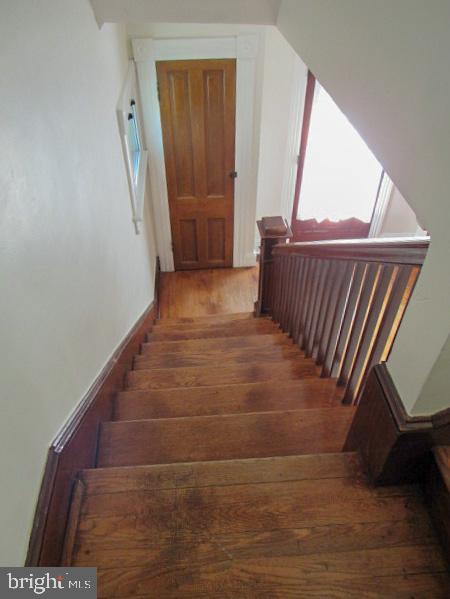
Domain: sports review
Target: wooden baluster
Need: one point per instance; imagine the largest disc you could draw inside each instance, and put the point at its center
(336, 275)
(306, 301)
(315, 275)
(287, 274)
(369, 332)
(349, 315)
(297, 297)
(301, 299)
(337, 319)
(277, 265)
(293, 304)
(282, 296)
(323, 308)
(393, 313)
(362, 308)
(269, 288)
(324, 266)
(289, 298)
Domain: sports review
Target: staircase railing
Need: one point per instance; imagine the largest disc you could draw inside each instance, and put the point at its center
(342, 301)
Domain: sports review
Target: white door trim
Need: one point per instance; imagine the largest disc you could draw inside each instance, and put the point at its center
(245, 49)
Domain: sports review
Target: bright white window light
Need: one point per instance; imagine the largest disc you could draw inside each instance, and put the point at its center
(340, 174)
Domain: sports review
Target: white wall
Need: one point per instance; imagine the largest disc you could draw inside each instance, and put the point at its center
(74, 275)
(283, 95)
(399, 219)
(370, 56)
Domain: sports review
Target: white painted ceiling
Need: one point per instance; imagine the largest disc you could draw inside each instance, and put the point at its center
(258, 12)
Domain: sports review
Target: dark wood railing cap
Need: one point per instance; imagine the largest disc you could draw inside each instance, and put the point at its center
(398, 250)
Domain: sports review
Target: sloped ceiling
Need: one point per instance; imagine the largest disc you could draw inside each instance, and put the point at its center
(258, 12)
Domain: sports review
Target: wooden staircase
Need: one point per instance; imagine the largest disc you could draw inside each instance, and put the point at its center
(222, 476)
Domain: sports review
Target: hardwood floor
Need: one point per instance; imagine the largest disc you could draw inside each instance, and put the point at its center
(222, 475)
(203, 292)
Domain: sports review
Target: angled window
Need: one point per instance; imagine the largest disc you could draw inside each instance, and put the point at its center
(135, 155)
(134, 141)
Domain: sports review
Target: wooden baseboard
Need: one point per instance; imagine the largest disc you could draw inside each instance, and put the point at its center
(75, 448)
(395, 447)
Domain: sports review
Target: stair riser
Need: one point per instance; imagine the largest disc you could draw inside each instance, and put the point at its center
(231, 399)
(223, 437)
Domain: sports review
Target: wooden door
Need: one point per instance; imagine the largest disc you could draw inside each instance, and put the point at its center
(197, 99)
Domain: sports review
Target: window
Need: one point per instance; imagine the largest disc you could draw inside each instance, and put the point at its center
(134, 141)
(132, 144)
(341, 175)
(338, 177)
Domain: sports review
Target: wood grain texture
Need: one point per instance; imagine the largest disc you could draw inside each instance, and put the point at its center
(199, 376)
(189, 294)
(227, 399)
(326, 533)
(194, 346)
(270, 543)
(216, 357)
(218, 322)
(262, 326)
(232, 436)
(98, 481)
(198, 103)
(211, 319)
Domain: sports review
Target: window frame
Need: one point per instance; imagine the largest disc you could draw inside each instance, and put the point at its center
(134, 152)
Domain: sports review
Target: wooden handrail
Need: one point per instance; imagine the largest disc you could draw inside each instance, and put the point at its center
(341, 301)
(399, 250)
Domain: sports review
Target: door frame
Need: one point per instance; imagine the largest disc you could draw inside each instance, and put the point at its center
(245, 49)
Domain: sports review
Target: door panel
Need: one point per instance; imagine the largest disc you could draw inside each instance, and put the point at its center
(197, 99)
(216, 239)
(189, 244)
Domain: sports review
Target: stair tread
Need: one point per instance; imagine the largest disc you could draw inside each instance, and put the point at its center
(224, 343)
(225, 436)
(217, 357)
(218, 321)
(208, 331)
(227, 399)
(208, 318)
(324, 535)
(198, 376)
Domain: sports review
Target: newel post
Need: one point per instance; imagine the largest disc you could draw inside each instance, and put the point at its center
(273, 230)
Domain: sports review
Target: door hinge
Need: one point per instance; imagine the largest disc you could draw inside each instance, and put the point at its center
(158, 92)
(233, 174)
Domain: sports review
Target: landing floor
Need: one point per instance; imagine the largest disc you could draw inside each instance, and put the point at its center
(214, 291)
